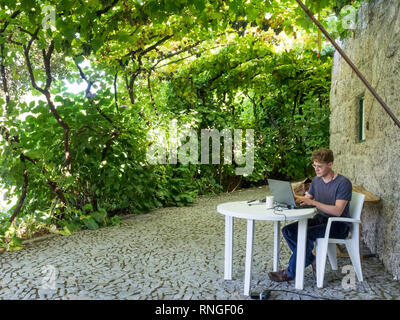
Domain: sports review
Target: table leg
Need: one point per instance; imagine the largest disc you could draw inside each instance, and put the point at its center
(301, 253)
(249, 256)
(228, 247)
(277, 233)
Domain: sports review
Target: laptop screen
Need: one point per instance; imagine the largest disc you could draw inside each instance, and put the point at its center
(282, 191)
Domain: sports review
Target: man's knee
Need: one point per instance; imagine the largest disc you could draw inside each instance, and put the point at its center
(289, 231)
(285, 231)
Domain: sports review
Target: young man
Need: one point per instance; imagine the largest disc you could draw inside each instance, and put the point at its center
(331, 193)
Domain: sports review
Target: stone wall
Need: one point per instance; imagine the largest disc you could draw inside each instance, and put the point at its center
(375, 163)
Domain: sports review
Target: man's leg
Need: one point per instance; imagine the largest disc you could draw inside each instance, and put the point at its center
(289, 232)
(313, 233)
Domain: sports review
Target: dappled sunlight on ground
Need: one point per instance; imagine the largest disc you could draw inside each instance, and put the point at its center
(170, 253)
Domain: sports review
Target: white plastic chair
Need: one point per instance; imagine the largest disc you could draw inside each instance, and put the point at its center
(327, 245)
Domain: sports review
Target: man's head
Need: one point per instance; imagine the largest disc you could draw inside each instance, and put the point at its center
(322, 160)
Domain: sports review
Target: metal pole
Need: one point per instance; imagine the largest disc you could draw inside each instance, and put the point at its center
(347, 59)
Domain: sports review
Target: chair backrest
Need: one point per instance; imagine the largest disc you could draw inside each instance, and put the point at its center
(356, 205)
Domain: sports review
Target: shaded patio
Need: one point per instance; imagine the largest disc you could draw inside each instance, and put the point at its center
(171, 253)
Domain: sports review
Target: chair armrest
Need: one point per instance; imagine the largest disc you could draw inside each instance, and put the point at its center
(330, 220)
(344, 219)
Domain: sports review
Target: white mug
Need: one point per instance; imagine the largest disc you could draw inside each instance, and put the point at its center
(269, 200)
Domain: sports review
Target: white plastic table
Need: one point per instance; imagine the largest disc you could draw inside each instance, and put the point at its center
(259, 212)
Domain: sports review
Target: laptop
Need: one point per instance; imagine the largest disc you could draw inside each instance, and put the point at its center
(283, 194)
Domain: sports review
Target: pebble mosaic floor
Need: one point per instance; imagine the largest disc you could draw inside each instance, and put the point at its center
(172, 253)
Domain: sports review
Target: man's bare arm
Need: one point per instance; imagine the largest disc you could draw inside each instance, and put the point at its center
(335, 210)
(300, 198)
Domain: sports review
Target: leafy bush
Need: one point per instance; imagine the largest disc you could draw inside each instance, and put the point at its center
(77, 159)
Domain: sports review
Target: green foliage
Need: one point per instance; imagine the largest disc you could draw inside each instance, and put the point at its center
(283, 97)
(8, 237)
(77, 158)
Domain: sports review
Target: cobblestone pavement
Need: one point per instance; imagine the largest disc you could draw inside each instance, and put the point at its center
(171, 253)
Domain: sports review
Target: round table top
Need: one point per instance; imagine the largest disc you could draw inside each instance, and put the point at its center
(240, 209)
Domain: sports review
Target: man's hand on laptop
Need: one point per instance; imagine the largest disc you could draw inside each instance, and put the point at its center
(306, 200)
(297, 198)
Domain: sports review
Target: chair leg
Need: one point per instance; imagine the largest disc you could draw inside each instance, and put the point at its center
(321, 250)
(354, 252)
(332, 255)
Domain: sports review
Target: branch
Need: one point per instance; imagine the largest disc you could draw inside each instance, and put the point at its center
(172, 54)
(135, 74)
(88, 82)
(234, 67)
(117, 130)
(175, 61)
(28, 61)
(22, 197)
(115, 91)
(7, 22)
(7, 136)
(151, 93)
(89, 95)
(2, 67)
(107, 8)
(26, 31)
(60, 194)
(131, 83)
(4, 78)
(9, 39)
(254, 107)
(154, 46)
(47, 94)
(46, 59)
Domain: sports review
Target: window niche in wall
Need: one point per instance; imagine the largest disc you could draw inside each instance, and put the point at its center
(361, 120)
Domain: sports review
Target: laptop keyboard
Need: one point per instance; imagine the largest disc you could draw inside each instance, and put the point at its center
(306, 206)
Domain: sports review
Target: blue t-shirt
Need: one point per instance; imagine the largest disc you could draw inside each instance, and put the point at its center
(339, 188)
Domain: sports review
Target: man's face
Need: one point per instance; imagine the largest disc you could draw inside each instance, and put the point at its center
(322, 168)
